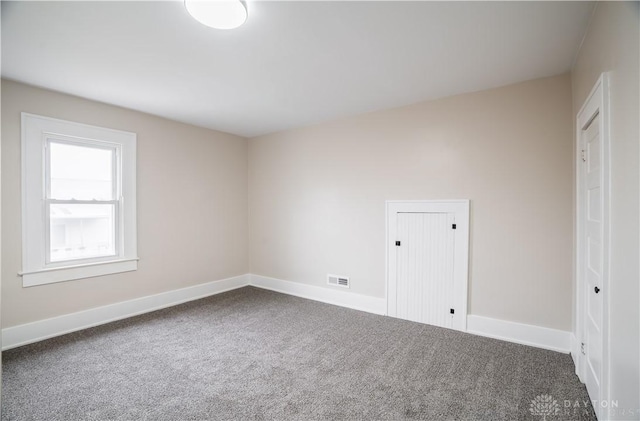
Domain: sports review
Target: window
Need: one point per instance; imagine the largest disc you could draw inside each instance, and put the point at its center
(78, 200)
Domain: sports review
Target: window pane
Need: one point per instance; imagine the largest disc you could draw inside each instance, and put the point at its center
(81, 173)
(81, 231)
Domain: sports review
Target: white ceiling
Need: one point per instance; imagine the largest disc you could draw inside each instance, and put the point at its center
(293, 63)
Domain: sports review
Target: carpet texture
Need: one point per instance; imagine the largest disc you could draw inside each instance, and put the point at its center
(255, 354)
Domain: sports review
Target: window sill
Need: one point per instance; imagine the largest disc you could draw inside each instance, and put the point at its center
(69, 273)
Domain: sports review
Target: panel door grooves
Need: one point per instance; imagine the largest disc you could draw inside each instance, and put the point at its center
(427, 276)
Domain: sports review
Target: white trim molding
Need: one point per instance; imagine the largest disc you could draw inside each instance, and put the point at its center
(520, 333)
(15, 336)
(330, 296)
(12, 337)
(575, 349)
(82, 271)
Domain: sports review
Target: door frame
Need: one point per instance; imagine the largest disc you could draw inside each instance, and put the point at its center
(461, 246)
(596, 103)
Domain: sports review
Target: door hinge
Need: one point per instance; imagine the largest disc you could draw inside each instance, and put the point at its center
(397, 243)
(584, 155)
(582, 348)
(453, 226)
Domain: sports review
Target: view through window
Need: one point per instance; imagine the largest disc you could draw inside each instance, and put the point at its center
(82, 201)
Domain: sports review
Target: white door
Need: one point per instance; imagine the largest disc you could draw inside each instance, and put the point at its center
(424, 278)
(427, 262)
(593, 244)
(592, 270)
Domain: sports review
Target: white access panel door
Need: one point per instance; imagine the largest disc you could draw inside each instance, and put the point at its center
(424, 282)
(592, 270)
(427, 248)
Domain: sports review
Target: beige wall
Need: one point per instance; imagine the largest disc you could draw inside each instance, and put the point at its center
(317, 195)
(192, 207)
(612, 45)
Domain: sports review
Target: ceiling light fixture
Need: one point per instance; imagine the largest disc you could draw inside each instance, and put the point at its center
(219, 14)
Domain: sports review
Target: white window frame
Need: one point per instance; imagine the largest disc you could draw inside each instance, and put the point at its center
(37, 133)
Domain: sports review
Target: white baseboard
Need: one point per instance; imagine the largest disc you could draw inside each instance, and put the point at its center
(540, 337)
(552, 339)
(325, 295)
(43, 329)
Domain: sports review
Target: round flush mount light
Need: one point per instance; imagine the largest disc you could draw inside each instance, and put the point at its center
(219, 14)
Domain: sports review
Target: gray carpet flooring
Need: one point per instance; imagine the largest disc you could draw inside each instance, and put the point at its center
(255, 354)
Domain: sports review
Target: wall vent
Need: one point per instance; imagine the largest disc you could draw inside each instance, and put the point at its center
(338, 281)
